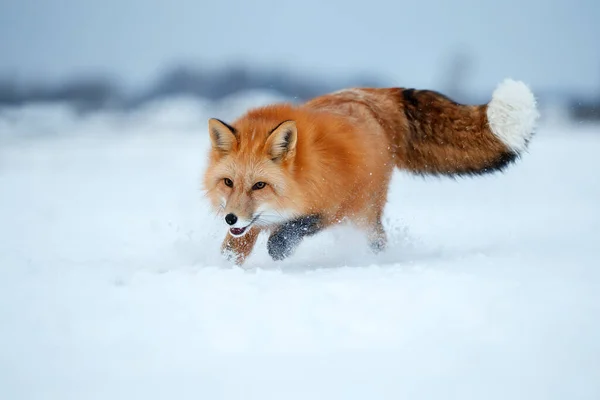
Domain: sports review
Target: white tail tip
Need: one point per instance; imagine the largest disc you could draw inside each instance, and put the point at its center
(512, 114)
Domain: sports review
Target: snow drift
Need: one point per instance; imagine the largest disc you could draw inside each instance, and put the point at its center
(112, 285)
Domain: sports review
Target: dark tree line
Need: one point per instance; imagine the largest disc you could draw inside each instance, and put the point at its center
(99, 92)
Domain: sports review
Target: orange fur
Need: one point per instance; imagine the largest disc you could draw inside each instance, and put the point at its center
(333, 157)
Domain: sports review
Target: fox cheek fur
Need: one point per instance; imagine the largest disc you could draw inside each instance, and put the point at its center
(295, 170)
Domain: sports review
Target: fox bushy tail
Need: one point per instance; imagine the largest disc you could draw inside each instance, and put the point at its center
(442, 137)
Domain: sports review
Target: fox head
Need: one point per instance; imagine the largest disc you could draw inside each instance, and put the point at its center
(248, 177)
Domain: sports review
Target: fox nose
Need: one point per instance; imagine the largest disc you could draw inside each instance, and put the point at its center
(230, 219)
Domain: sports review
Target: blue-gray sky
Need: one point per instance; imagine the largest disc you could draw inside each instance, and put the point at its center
(551, 44)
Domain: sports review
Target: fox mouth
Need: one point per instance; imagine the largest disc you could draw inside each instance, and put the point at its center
(237, 232)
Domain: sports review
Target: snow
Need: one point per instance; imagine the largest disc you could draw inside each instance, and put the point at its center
(112, 285)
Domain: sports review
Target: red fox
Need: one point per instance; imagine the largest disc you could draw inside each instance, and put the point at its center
(294, 170)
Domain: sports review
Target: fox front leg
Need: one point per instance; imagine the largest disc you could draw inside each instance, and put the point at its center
(237, 249)
(284, 240)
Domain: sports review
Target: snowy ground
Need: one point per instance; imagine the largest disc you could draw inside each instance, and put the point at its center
(112, 287)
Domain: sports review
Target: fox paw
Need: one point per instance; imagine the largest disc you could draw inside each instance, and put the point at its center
(281, 246)
(288, 236)
(230, 255)
(377, 245)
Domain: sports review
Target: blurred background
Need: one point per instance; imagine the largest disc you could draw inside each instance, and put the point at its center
(112, 284)
(122, 54)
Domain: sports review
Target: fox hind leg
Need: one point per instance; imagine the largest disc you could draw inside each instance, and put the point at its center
(377, 236)
(370, 221)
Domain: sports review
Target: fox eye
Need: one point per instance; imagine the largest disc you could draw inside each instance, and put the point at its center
(259, 185)
(228, 182)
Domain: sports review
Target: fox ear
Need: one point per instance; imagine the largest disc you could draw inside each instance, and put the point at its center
(282, 141)
(222, 136)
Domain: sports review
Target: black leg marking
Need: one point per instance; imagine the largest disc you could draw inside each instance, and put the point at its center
(377, 245)
(288, 236)
(378, 238)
